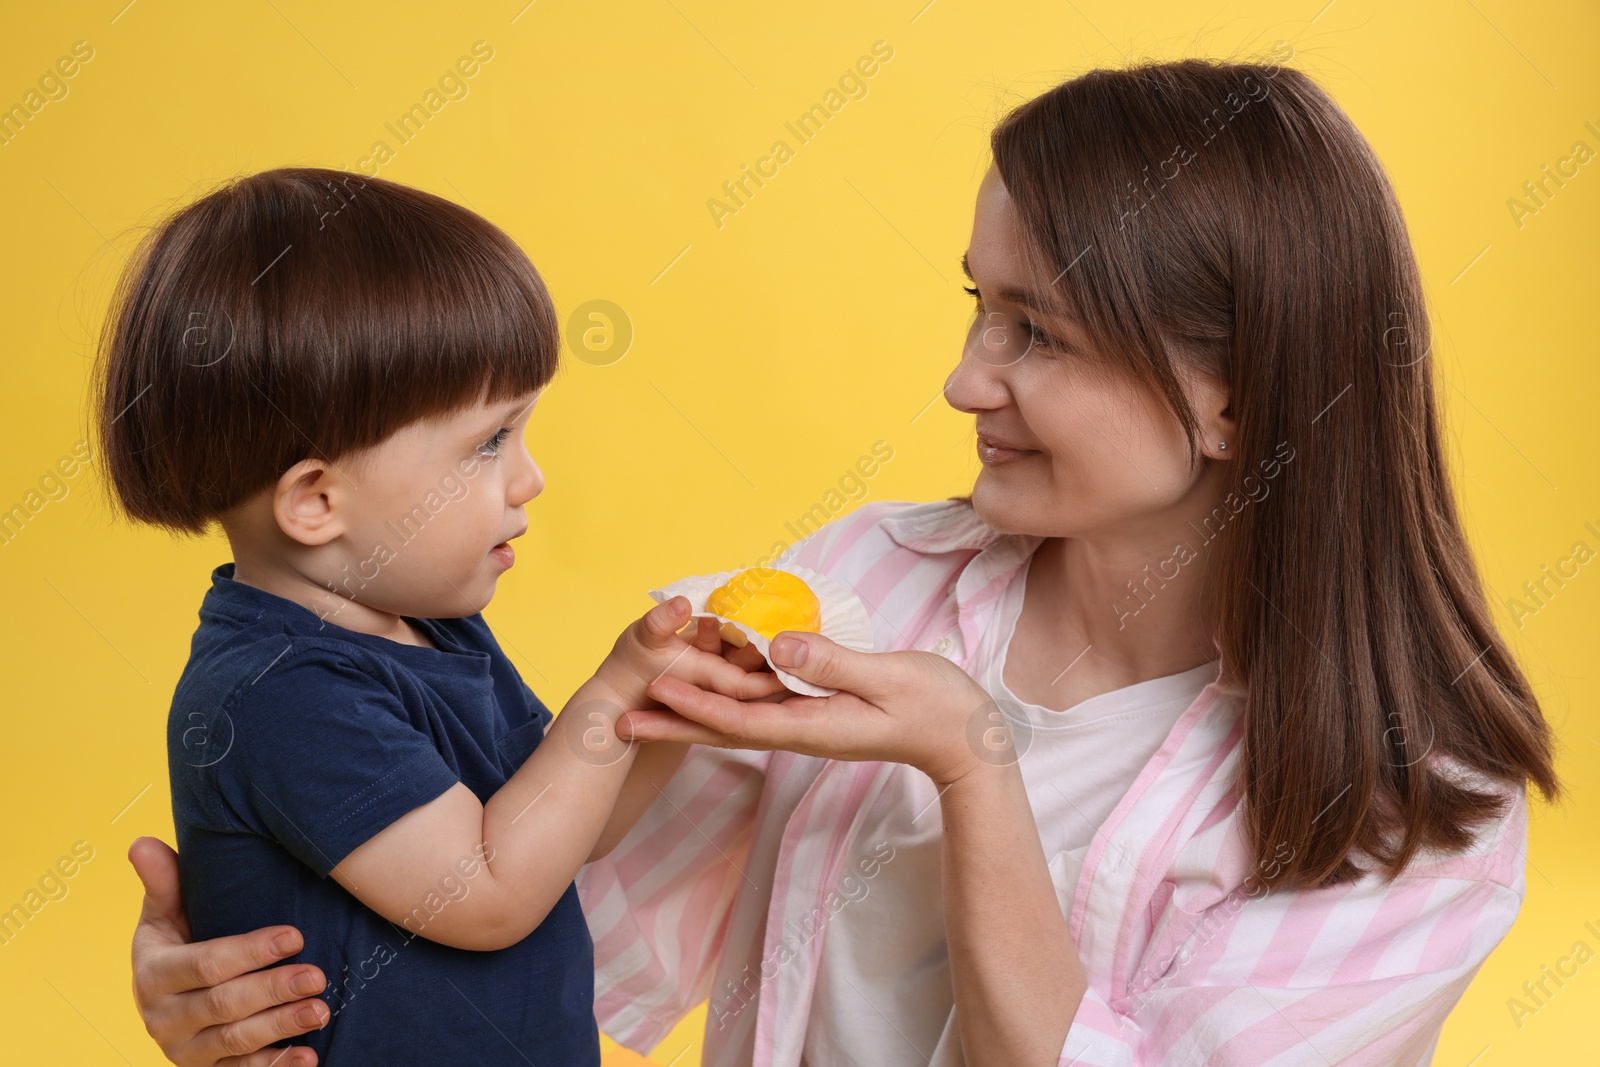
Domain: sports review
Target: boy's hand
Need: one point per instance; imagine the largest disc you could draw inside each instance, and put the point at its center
(587, 773)
(653, 646)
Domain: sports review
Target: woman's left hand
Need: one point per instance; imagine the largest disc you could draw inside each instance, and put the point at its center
(916, 708)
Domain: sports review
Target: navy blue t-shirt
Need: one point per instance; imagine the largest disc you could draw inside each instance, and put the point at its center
(293, 740)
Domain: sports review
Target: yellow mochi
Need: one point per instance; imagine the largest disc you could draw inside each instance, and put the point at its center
(767, 600)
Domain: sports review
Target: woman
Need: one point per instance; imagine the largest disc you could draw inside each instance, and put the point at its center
(1229, 763)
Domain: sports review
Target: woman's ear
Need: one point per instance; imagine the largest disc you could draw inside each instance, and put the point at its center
(309, 502)
(1213, 407)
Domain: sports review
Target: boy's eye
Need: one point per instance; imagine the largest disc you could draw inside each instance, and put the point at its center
(491, 447)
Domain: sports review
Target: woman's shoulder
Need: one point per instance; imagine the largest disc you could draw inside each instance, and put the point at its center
(1497, 851)
(1208, 857)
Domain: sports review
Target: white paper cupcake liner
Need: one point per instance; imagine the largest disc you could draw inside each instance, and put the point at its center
(844, 617)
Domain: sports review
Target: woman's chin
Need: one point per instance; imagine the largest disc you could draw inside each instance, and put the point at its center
(1010, 511)
(999, 507)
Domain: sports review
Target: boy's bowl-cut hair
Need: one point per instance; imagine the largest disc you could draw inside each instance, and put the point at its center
(303, 312)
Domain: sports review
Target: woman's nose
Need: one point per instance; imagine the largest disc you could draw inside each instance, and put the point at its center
(975, 384)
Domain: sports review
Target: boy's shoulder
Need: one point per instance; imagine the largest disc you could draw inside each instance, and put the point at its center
(228, 672)
(245, 632)
(299, 733)
(228, 657)
(228, 686)
(252, 649)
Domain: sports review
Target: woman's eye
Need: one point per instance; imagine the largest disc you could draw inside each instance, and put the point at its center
(1037, 337)
(491, 447)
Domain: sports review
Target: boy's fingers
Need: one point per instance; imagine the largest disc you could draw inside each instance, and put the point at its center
(747, 656)
(707, 634)
(661, 623)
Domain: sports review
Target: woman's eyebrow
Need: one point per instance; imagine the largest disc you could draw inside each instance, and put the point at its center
(1020, 296)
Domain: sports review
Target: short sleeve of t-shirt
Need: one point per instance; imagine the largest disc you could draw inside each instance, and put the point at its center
(324, 755)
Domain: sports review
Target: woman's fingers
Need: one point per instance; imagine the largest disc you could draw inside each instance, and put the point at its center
(217, 1017)
(716, 711)
(721, 714)
(204, 964)
(754, 724)
(298, 1056)
(716, 673)
(161, 917)
(201, 1003)
(649, 725)
(245, 1043)
(251, 997)
(185, 990)
(814, 658)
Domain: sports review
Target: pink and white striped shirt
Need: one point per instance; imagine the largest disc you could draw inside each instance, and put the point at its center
(724, 886)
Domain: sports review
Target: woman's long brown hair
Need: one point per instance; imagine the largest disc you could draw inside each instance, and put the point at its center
(1230, 216)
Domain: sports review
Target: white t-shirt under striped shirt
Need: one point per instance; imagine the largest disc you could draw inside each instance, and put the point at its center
(883, 996)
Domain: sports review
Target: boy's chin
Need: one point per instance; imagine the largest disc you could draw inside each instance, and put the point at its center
(467, 598)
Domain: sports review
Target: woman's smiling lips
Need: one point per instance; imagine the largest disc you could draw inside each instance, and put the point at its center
(994, 451)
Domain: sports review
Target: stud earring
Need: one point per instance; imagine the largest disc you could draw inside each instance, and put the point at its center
(1222, 444)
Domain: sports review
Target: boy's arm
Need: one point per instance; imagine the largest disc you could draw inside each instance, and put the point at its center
(484, 875)
(658, 761)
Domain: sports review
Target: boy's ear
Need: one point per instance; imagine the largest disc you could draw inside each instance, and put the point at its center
(308, 502)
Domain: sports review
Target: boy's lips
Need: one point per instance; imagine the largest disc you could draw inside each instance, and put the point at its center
(504, 552)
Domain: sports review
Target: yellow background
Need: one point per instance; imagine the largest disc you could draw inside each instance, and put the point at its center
(768, 355)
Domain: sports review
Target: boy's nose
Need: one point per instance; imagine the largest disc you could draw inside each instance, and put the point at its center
(530, 484)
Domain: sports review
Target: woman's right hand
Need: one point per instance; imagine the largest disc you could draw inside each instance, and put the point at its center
(208, 1003)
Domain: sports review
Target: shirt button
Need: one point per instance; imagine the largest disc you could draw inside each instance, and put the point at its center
(943, 646)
